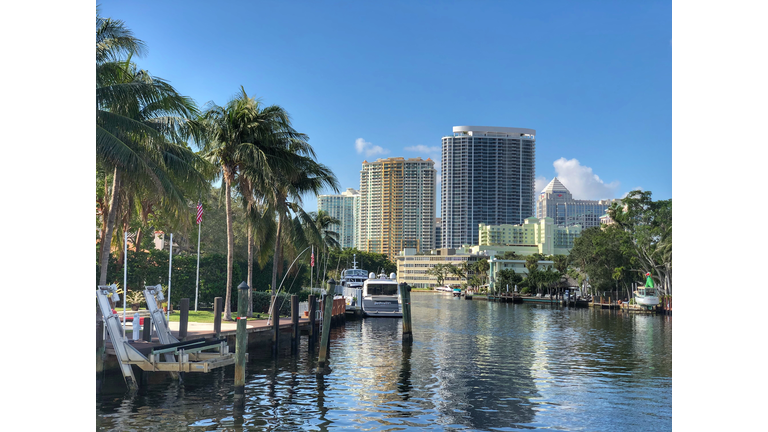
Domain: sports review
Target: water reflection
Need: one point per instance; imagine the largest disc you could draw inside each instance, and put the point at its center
(473, 365)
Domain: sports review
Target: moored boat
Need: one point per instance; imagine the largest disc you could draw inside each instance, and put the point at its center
(381, 296)
(647, 296)
(354, 277)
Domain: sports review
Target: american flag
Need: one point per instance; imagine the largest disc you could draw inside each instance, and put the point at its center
(312, 263)
(199, 212)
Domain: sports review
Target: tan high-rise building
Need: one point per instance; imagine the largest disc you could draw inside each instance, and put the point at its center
(397, 205)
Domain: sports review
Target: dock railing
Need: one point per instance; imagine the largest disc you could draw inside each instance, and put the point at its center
(351, 293)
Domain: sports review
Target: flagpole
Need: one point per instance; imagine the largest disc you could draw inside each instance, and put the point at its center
(197, 279)
(199, 219)
(170, 260)
(311, 268)
(125, 276)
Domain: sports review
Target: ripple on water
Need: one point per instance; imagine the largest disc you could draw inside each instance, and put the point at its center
(473, 366)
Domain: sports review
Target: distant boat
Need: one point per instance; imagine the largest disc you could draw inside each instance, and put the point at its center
(647, 296)
(354, 277)
(457, 292)
(381, 296)
(444, 289)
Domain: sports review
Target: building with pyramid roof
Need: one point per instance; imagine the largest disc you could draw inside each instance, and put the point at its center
(556, 202)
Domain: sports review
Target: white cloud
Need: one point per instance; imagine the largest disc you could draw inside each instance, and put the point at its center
(363, 146)
(580, 181)
(638, 188)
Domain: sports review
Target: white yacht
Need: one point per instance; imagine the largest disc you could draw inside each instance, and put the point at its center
(646, 296)
(354, 277)
(381, 296)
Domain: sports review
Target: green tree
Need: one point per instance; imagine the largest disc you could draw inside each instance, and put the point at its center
(140, 122)
(598, 252)
(322, 236)
(456, 271)
(439, 271)
(244, 135)
(649, 226)
(283, 191)
(481, 267)
(507, 277)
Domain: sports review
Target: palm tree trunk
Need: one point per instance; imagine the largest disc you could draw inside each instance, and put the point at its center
(276, 256)
(250, 270)
(230, 243)
(105, 247)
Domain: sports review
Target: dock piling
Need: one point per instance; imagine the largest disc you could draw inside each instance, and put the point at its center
(405, 293)
(183, 319)
(241, 343)
(136, 326)
(217, 302)
(275, 326)
(312, 312)
(325, 340)
(147, 336)
(294, 322)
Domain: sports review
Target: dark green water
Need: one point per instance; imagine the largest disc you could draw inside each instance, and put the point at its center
(473, 365)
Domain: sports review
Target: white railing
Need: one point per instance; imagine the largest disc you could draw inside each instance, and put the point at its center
(350, 293)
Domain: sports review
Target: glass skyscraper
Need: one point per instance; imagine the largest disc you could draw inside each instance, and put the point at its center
(487, 177)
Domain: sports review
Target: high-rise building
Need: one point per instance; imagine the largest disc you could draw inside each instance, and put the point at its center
(487, 177)
(397, 205)
(343, 207)
(556, 202)
(438, 234)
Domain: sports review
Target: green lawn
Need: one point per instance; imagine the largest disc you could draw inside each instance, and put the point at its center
(199, 316)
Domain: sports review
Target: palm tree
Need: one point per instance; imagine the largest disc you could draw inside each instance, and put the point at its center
(321, 235)
(245, 136)
(283, 190)
(456, 271)
(139, 123)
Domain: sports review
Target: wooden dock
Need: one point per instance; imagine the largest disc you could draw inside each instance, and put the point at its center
(259, 332)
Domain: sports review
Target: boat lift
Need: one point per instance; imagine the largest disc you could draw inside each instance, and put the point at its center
(163, 358)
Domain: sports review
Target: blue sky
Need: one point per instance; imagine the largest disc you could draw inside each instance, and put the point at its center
(594, 78)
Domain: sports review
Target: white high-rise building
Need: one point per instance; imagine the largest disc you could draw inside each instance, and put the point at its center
(488, 177)
(345, 208)
(397, 205)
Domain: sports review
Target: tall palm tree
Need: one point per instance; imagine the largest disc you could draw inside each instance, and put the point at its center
(284, 190)
(245, 136)
(139, 123)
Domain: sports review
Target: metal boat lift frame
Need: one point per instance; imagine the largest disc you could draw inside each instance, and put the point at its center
(191, 357)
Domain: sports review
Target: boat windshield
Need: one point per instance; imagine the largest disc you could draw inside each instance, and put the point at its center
(647, 291)
(382, 289)
(355, 272)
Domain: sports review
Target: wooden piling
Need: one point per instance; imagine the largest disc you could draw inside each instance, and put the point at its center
(100, 352)
(295, 321)
(312, 312)
(147, 336)
(325, 339)
(405, 294)
(183, 318)
(275, 326)
(217, 302)
(241, 342)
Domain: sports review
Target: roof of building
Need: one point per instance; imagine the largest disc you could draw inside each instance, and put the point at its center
(555, 185)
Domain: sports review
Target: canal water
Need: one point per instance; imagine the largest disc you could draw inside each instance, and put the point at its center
(473, 365)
